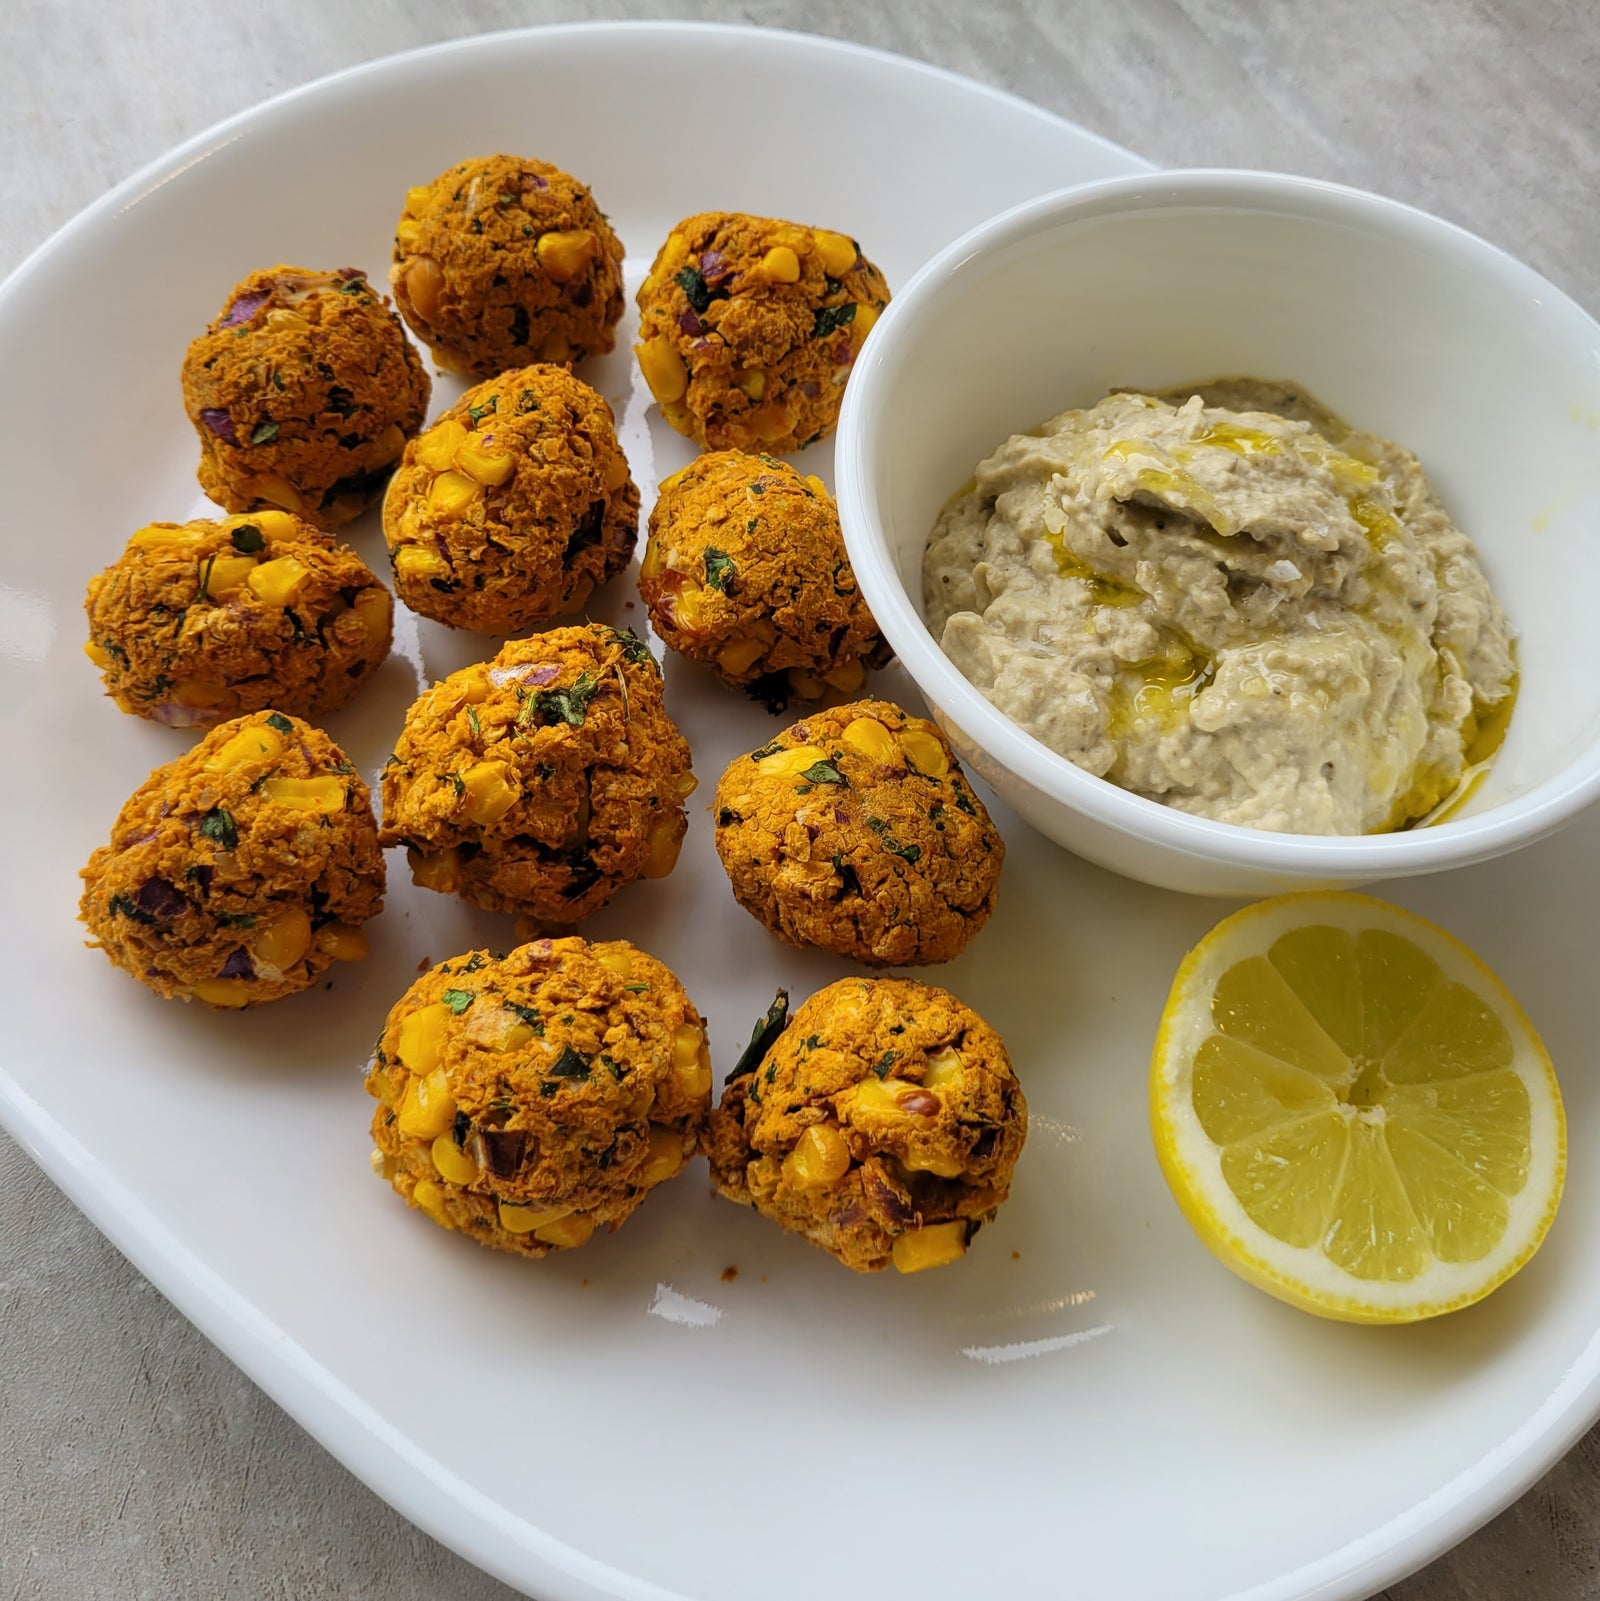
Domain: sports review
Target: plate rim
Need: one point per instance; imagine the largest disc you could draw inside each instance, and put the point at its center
(413, 1482)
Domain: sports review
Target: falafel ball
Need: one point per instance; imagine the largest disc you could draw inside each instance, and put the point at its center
(303, 392)
(531, 1099)
(543, 781)
(749, 328)
(883, 1123)
(513, 507)
(243, 870)
(501, 261)
(202, 621)
(856, 832)
(746, 569)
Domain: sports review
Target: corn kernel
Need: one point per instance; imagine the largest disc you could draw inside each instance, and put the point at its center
(780, 265)
(653, 561)
(421, 1037)
(453, 1164)
(390, 444)
(170, 537)
(375, 609)
(424, 281)
(944, 1167)
(687, 785)
(472, 684)
(568, 1231)
(861, 324)
(931, 1246)
(806, 685)
(406, 234)
(279, 581)
(279, 492)
(451, 493)
(484, 466)
(436, 449)
(871, 738)
(665, 1157)
(220, 574)
(195, 693)
(565, 255)
(342, 942)
(420, 564)
(99, 655)
(554, 347)
(428, 1108)
(925, 751)
(222, 991)
(879, 1094)
(283, 321)
(752, 382)
(689, 606)
(847, 678)
(487, 793)
(325, 794)
(686, 1043)
(816, 486)
(282, 942)
(790, 763)
(770, 421)
(740, 655)
(663, 370)
(661, 848)
(274, 525)
(257, 743)
(419, 200)
(427, 1197)
(944, 1067)
(525, 1219)
(820, 1158)
(615, 472)
(436, 870)
(837, 253)
(618, 960)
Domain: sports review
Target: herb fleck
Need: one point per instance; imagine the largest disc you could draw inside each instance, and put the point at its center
(766, 751)
(479, 412)
(829, 319)
(278, 721)
(569, 1064)
(771, 1025)
(248, 539)
(218, 825)
(519, 326)
(720, 571)
(528, 1014)
(884, 1063)
(264, 433)
(851, 882)
(458, 1000)
(637, 989)
(693, 287)
(570, 705)
(824, 773)
(460, 1129)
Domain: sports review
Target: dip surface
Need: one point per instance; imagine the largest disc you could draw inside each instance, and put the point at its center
(1224, 599)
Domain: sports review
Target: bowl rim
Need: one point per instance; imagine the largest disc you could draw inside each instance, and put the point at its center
(1476, 837)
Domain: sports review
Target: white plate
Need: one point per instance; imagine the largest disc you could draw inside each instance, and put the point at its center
(1088, 1403)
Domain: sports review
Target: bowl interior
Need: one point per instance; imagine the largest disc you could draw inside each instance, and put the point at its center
(1399, 323)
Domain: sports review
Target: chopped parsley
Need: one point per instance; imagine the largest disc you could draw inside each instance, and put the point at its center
(633, 648)
(824, 773)
(694, 288)
(569, 1064)
(727, 817)
(720, 571)
(218, 825)
(123, 906)
(472, 717)
(278, 721)
(248, 540)
(519, 325)
(766, 751)
(884, 1063)
(964, 801)
(460, 1129)
(458, 1000)
(264, 433)
(637, 989)
(237, 919)
(766, 1031)
(829, 319)
(479, 412)
(570, 705)
(852, 883)
(528, 1014)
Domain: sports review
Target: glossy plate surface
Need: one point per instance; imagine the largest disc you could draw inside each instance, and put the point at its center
(1088, 1403)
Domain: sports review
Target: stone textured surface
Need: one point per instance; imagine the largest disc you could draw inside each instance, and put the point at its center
(134, 1460)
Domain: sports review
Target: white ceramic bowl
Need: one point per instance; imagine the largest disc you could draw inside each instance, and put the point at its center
(1402, 323)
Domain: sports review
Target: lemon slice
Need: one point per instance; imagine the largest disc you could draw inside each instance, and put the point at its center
(1353, 1112)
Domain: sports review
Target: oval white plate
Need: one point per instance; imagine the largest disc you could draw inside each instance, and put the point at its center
(1088, 1403)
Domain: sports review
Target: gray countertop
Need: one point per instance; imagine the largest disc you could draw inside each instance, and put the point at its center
(134, 1460)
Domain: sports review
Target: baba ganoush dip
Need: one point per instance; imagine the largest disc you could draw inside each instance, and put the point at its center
(1224, 599)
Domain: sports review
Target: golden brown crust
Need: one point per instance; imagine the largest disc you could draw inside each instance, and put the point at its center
(502, 261)
(745, 569)
(921, 1092)
(856, 832)
(303, 391)
(543, 781)
(565, 1080)
(239, 872)
(513, 507)
(203, 621)
(738, 354)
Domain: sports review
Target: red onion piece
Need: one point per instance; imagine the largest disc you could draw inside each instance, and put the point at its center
(160, 898)
(216, 418)
(700, 346)
(524, 672)
(713, 265)
(172, 715)
(810, 389)
(691, 324)
(349, 272)
(245, 307)
(239, 965)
